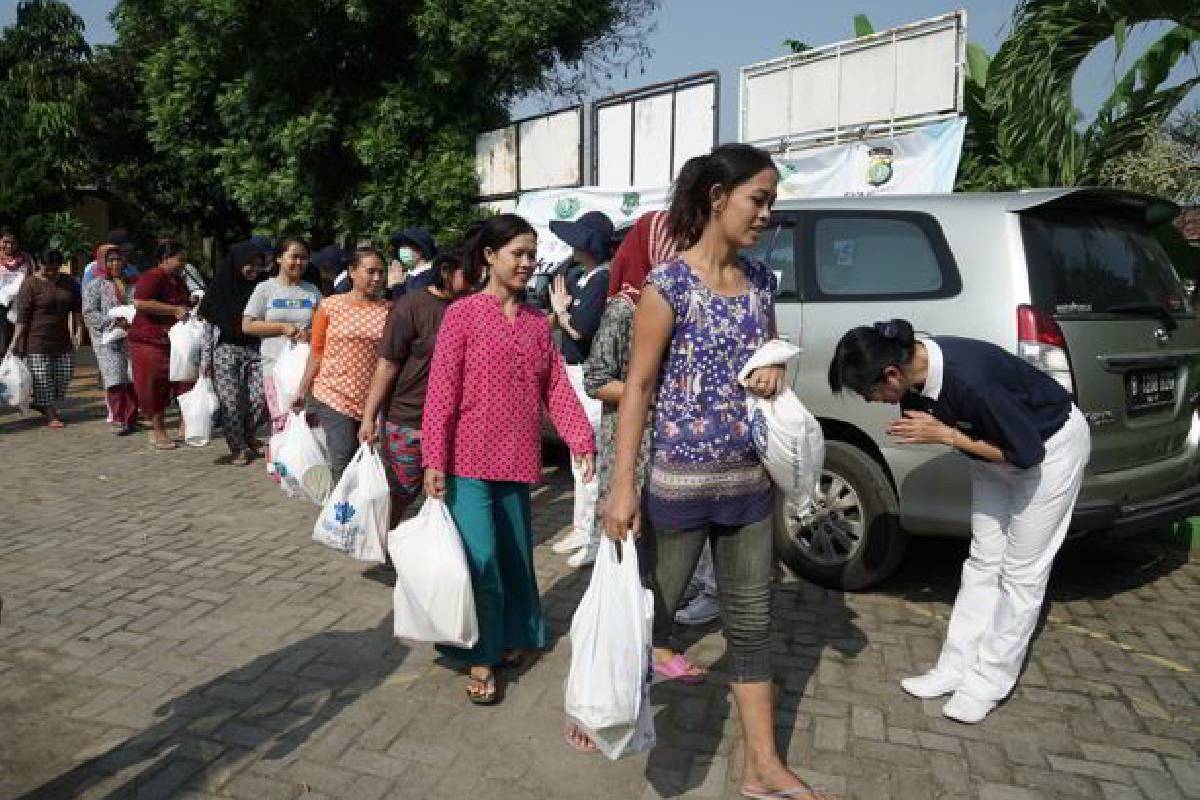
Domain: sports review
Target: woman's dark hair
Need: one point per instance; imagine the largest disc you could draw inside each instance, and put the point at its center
(360, 254)
(287, 242)
(727, 167)
(494, 233)
(448, 262)
(7, 230)
(167, 248)
(53, 256)
(865, 352)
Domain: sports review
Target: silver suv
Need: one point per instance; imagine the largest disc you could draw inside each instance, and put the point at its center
(1072, 280)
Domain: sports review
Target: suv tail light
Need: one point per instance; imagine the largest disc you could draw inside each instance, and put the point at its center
(1040, 342)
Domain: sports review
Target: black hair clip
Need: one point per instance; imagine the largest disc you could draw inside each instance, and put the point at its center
(888, 330)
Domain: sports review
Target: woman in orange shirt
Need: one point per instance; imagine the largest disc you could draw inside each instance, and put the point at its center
(346, 331)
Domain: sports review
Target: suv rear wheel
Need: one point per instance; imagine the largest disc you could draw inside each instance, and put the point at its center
(851, 538)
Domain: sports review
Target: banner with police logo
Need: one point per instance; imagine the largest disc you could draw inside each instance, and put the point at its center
(923, 161)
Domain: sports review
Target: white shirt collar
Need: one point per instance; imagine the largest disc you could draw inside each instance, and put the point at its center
(936, 370)
(418, 270)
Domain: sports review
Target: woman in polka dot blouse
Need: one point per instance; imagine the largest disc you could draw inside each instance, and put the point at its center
(494, 369)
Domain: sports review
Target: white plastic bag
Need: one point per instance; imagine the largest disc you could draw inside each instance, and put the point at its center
(197, 408)
(186, 338)
(788, 438)
(611, 663)
(126, 312)
(10, 284)
(354, 519)
(289, 372)
(16, 382)
(433, 599)
(300, 462)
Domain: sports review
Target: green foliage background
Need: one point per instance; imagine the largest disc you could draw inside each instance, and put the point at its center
(336, 119)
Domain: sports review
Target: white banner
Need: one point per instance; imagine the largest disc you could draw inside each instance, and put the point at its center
(622, 206)
(924, 161)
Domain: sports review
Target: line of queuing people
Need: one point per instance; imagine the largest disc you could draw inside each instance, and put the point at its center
(450, 379)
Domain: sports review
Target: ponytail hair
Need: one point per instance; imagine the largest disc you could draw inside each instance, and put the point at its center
(863, 354)
(491, 234)
(726, 167)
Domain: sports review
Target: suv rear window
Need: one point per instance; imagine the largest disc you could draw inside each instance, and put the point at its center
(1087, 263)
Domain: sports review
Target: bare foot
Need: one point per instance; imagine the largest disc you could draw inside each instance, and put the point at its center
(578, 740)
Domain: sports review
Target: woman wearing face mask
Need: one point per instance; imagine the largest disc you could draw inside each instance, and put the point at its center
(47, 304)
(162, 300)
(401, 376)
(280, 310)
(415, 251)
(494, 369)
(346, 331)
(1028, 446)
(107, 290)
(700, 317)
(229, 355)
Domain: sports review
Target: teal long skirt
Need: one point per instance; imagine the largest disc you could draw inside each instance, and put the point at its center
(495, 523)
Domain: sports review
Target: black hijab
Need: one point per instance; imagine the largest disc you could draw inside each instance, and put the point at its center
(225, 301)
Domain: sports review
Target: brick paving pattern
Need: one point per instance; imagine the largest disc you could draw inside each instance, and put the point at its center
(169, 630)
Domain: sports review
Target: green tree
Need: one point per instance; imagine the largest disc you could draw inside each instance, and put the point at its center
(345, 117)
(1024, 127)
(43, 67)
(1166, 164)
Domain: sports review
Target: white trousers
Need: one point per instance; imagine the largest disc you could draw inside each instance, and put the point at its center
(586, 494)
(1019, 518)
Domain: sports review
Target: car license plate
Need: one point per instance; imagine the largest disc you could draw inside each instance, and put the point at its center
(1147, 390)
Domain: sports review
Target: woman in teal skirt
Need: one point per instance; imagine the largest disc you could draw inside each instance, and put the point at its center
(494, 368)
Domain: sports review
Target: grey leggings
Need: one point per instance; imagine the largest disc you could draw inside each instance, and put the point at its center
(341, 436)
(742, 558)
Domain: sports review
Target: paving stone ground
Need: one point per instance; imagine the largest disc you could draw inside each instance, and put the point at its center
(169, 630)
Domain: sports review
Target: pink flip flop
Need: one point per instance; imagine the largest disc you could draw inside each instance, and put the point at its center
(679, 669)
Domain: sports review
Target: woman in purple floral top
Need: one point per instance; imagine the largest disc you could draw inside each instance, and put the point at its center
(698, 321)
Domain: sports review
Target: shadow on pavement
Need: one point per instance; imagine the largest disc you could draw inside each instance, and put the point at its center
(1091, 567)
(266, 709)
(805, 620)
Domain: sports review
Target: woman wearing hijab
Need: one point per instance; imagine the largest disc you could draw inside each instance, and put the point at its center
(105, 291)
(231, 356)
(15, 266)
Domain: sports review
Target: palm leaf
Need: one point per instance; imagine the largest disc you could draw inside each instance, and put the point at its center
(1029, 86)
(1153, 67)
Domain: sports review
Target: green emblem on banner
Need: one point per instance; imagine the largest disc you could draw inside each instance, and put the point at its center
(566, 207)
(629, 203)
(879, 165)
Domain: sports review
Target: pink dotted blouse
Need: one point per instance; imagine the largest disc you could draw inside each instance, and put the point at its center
(488, 382)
